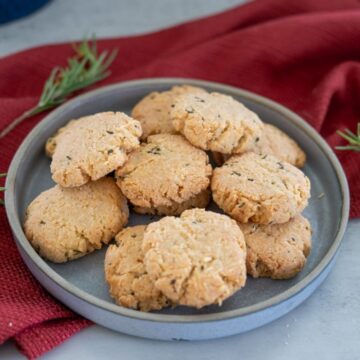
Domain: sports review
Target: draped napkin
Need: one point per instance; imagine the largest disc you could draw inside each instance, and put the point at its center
(303, 54)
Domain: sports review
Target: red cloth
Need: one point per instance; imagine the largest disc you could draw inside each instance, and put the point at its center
(303, 54)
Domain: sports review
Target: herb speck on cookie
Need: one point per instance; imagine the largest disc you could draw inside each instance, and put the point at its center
(155, 150)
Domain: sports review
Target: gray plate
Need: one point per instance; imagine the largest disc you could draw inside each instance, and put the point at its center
(80, 284)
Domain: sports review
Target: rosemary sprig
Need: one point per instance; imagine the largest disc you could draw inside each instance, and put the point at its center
(2, 175)
(353, 139)
(84, 69)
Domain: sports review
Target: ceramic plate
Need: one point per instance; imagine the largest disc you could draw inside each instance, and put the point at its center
(80, 284)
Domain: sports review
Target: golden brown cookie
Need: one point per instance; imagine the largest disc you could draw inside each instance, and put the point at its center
(66, 223)
(216, 122)
(95, 146)
(196, 259)
(201, 200)
(274, 142)
(165, 176)
(260, 189)
(153, 111)
(51, 142)
(130, 284)
(278, 251)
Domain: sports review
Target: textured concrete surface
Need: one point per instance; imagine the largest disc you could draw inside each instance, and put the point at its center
(326, 326)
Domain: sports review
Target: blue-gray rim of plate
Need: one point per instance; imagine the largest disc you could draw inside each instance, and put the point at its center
(93, 300)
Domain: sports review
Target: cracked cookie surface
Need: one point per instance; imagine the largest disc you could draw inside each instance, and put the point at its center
(273, 141)
(94, 146)
(153, 111)
(260, 189)
(196, 259)
(277, 251)
(130, 284)
(216, 122)
(165, 176)
(201, 200)
(66, 223)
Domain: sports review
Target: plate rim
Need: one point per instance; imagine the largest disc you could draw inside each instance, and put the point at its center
(41, 265)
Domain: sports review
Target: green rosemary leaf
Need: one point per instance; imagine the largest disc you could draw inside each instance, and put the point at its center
(350, 138)
(349, 147)
(48, 86)
(353, 139)
(86, 68)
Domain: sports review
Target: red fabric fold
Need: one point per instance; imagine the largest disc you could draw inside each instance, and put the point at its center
(303, 54)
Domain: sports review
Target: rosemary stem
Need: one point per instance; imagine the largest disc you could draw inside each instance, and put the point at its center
(85, 69)
(19, 120)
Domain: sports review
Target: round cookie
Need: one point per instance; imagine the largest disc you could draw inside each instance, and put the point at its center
(153, 111)
(130, 284)
(200, 200)
(66, 223)
(274, 142)
(278, 251)
(196, 259)
(51, 142)
(95, 146)
(165, 176)
(260, 189)
(216, 122)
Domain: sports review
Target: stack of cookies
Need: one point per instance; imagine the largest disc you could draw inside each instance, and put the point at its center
(158, 162)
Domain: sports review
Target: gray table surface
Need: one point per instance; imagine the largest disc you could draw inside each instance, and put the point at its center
(326, 326)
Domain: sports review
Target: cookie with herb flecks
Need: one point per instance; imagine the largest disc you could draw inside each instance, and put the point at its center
(196, 259)
(51, 142)
(153, 111)
(216, 122)
(94, 146)
(165, 176)
(66, 223)
(273, 141)
(130, 284)
(260, 189)
(278, 251)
